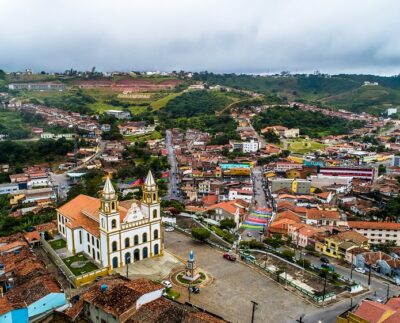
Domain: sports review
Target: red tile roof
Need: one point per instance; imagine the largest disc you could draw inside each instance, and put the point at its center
(371, 311)
(374, 225)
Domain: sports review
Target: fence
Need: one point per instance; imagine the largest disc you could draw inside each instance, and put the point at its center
(76, 281)
(315, 298)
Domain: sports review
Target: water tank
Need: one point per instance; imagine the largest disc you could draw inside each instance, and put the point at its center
(104, 287)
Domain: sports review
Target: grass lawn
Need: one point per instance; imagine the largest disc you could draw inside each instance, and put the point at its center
(173, 294)
(151, 136)
(89, 266)
(161, 103)
(58, 244)
(304, 146)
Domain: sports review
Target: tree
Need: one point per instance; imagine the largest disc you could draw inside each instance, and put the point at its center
(227, 224)
(287, 254)
(201, 234)
(271, 136)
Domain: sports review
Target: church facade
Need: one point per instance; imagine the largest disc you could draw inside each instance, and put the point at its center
(113, 233)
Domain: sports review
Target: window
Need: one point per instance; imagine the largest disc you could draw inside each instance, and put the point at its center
(88, 249)
(144, 237)
(155, 234)
(88, 237)
(126, 242)
(136, 240)
(80, 236)
(59, 217)
(113, 224)
(114, 246)
(98, 256)
(92, 240)
(97, 243)
(102, 223)
(154, 214)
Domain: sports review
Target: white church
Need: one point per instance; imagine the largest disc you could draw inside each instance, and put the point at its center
(110, 232)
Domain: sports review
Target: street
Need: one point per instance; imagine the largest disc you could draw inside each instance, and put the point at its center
(173, 188)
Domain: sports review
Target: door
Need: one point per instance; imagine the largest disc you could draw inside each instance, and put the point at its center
(156, 249)
(145, 252)
(136, 255)
(115, 262)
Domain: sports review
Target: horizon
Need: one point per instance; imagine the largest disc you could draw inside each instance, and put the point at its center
(223, 37)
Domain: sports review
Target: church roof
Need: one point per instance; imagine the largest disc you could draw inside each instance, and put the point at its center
(83, 211)
(150, 179)
(108, 190)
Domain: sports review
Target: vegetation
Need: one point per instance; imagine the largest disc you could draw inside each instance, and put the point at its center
(200, 234)
(58, 244)
(227, 224)
(226, 235)
(313, 124)
(90, 185)
(47, 150)
(10, 225)
(88, 267)
(75, 100)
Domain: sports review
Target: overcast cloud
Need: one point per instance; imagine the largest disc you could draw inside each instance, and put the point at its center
(216, 35)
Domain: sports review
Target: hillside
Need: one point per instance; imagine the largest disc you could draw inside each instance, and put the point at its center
(336, 91)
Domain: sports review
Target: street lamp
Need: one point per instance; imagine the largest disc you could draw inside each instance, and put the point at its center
(255, 304)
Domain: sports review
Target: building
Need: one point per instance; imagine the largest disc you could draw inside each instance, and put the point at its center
(320, 181)
(282, 131)
(391, 111)
(370, 311)
(8, 188)
(111, 233)
(353, 172)
(39, 86)
(118, 299)
(251, 146)
(28, 292)
(118, 114)
(299, 186)
(377, 232)
(396, 161)
(285, 166)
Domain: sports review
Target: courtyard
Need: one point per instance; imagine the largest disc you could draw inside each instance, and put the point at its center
(234, 285)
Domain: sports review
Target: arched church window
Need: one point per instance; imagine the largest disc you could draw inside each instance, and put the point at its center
(114, 246)
(113, 224)
(154, 214)
(136, 240)
(126, 242)
(144, 237)
(155, 234)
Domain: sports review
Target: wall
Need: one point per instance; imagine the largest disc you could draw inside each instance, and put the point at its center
(149, 297)
(19, 315)
(47, 303)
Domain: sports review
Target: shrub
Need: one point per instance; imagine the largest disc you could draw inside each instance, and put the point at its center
(274, 243)
(200, 233)
(288, 255)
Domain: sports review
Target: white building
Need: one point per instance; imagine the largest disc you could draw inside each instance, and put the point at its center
(377, 232)
(251, 146)
(118, 114)
(396, 161)
(110, 232)
(391, 111)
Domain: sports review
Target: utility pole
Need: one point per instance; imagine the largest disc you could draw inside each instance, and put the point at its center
(369, 277)
(323, 293)
(255, 304)
(387, 292)
(351, 270)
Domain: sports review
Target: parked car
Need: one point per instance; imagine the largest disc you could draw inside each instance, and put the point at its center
(249, 234)
(324, 260)
(360, 270)
(229, 256)
(166, 283)
(194, 289)
(169, 229)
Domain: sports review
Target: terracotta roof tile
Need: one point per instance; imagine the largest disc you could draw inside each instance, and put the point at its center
(374, 225)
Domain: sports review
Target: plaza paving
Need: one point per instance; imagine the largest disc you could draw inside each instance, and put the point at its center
(156, 268)
(234, 285)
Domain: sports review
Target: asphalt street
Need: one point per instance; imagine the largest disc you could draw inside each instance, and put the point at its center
(173, 188)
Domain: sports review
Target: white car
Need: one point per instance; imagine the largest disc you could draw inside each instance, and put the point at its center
(166, 283)
(360, 270)
(169, 229)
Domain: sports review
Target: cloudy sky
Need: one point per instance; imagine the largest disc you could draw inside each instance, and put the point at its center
(243, 36)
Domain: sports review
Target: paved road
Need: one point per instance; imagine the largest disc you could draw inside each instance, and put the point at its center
(173, 188)
(234, 285)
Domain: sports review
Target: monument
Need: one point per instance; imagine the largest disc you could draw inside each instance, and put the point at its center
(191, 273)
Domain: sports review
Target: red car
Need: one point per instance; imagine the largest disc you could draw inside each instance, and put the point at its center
(229, 256)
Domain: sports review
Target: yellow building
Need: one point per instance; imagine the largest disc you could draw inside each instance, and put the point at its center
(293, 173)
